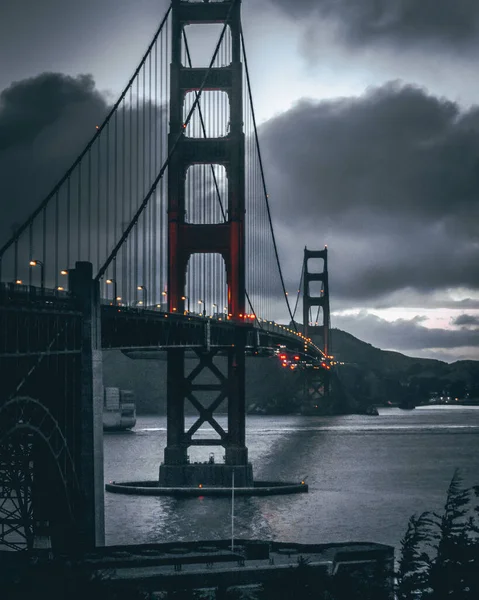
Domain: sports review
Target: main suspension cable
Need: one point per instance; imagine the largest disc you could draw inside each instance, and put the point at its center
(143, 205)
(87, 148)
(299, 292)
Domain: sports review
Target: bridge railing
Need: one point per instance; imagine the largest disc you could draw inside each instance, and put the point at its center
(12, 293)
(122, 323)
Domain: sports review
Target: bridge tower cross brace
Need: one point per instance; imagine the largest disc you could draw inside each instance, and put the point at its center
(226, 239)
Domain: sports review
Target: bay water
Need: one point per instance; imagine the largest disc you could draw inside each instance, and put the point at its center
(366, 476)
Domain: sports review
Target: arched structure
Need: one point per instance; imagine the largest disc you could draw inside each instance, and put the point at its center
(34, 455)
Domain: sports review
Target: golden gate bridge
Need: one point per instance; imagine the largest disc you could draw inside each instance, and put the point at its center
(159, 237)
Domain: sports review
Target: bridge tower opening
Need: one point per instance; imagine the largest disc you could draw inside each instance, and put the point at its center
(226, 238)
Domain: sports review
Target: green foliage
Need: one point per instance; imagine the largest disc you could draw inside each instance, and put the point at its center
(440, 553)
(414, 563)
(361, 585)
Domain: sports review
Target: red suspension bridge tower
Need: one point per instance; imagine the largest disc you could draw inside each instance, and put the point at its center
(226, 238)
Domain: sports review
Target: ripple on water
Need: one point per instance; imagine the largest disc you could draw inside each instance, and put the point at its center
(366, 476)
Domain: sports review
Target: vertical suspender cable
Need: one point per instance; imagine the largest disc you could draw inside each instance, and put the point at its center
(143, 192)
(299, 291)
(89, 207)
(107, 190)
(30, 251)
(123, 202)
(115, 197)
(15, 260)
(263, 180)
(157, 113)
(98, 213)
(162, 171)
(137, 188)
(44, 244)
(150, 153)
(57, 240)
(130, 216)
(79, 215)
(68, 222)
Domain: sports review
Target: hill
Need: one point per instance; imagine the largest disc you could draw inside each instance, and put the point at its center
(395, 377)
(369, 376)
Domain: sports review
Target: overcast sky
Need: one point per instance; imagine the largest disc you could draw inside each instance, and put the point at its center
(369, 128)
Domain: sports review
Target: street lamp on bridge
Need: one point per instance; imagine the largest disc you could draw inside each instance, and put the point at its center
(201, 302)
(215, 309)
(38, 263)
(187, 298)
(115, 295)
(142, 288)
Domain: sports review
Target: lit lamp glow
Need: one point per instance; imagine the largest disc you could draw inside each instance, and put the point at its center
(38, 263)
(113, 282)
(187, 298)
(142, 288)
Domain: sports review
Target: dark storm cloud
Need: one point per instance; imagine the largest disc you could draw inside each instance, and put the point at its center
(30, 106)
(48, 120)
(404, 335)
(466, 320)
(389, 180)
(452, 23)
(44, 123)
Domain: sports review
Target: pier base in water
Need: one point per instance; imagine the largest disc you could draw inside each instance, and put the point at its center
(205, 474)
(258, 488)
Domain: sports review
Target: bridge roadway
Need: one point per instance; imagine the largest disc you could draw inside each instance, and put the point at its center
(127, 328)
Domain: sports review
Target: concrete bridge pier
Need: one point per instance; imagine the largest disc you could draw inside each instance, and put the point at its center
(89, 451)
(176, 470)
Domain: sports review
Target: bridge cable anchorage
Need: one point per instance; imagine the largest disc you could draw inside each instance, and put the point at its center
(14, 238)
(32, 417)
(265, 191)
(143, 205)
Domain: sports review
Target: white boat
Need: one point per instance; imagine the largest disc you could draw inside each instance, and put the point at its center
(119, 409)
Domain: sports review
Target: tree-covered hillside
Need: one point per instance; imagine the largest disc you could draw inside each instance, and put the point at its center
(369, 376)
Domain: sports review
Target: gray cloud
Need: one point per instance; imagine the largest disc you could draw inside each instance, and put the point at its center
(30, 106)
(453, 24)
(389, 180)
(466, 320)
(45, 121)
(48, 120)
(404, 335)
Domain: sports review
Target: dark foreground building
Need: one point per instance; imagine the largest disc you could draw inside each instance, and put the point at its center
(261, 567)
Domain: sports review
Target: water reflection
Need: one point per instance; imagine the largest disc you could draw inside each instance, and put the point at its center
(367, 475)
